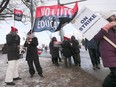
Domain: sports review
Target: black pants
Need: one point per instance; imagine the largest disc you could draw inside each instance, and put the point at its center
(94, 57)
(67, 61)
(55, 60)
(110, 80)
(76, 58)
(37, 66)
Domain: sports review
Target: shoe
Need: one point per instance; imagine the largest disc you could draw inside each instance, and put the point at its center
(60, 60)
(94, 67)
(79, 65)
(31, 76)
(10, 83)
(57, 64)
(97, 67)
(41, 75)
(18, 78)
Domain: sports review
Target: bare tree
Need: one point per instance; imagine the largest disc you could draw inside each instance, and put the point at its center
(3, 5)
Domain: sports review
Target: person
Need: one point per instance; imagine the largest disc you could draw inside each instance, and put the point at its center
(13, 43)
(4, 52)
(32, 55)
(46, 48)
(59, 58)
(67, 51)
(22, 51)
(76, 49)
(93, 53)
(108, 51)
(54, 51)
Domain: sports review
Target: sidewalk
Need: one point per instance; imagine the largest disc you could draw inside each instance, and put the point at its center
(86, 64)
(56, 76)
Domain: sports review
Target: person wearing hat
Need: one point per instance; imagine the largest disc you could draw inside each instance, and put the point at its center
(109, 16)
(107, 50)
(67, 51)
(13, 42)
(54, 51)
(32, 55)
(76, 48)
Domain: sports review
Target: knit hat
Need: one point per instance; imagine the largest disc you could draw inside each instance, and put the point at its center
(30, 32)
(13, 29)
(105, 14)
(66, 38)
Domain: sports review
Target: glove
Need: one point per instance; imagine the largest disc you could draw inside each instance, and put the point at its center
(109, 26)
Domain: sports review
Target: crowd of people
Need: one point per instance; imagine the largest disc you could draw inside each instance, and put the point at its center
(68, 48)
(103, 45)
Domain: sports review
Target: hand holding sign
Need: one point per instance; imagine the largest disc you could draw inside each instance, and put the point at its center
(88, 23)
(109, 26)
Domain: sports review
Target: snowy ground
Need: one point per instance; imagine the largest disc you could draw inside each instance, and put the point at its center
(53, 76)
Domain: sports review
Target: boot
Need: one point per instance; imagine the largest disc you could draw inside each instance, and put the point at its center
(10, 83)
(94, 68)
(97, 67)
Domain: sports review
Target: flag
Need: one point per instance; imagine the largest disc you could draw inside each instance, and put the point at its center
(18, 15)
(53, 18)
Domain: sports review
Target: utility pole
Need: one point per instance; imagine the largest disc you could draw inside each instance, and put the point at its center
(61, 32)
(58, 1)
(31, 11)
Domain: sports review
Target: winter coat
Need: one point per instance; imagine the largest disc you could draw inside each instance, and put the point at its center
(32, 52)
(107, 51)
(54, 51)
(91, 44)
(67, 49)
(13, 42)
(75, 46)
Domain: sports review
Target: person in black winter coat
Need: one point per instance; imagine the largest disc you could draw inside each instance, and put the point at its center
(54, 51)
(13, 43)
(76, 50)
(67, 52)
(32, 55)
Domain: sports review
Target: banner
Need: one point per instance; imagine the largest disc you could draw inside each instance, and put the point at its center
(53, 18)
(18, 15)
(88, 23)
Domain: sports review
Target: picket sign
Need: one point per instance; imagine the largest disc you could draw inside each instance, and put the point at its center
(57, 43)
(88, 23)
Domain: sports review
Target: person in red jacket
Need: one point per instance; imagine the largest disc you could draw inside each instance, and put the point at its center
(67, 51)
(107, 51)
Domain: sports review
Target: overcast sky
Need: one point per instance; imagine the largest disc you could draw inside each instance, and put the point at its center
(44, 37)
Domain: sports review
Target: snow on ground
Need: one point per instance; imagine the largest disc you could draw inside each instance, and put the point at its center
(53, 76)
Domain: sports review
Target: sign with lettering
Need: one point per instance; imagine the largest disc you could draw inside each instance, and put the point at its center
(88, 23)
(53, 18)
